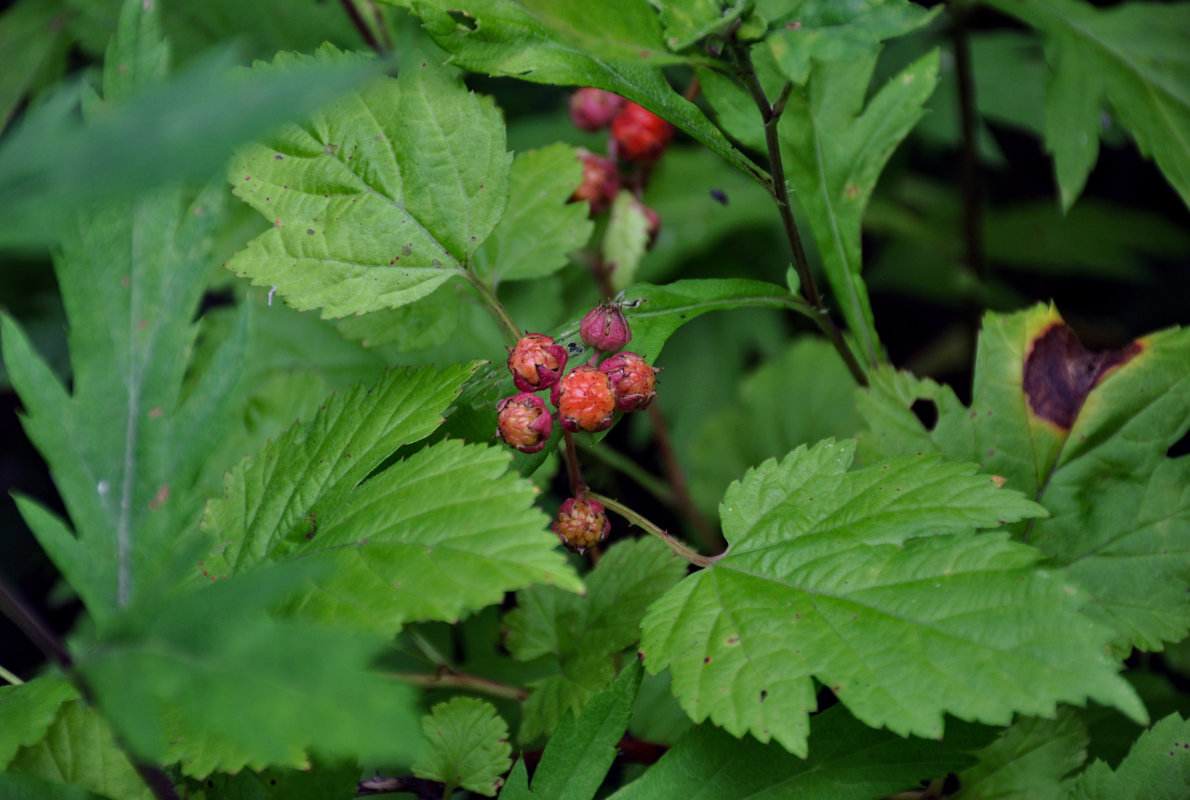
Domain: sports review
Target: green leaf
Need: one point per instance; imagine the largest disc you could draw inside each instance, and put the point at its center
(1133, 57)
(803, 395)
(25, 787)
(28, 711)
(838, 575)
(578, 756)
(1118, 507)
(626, 239)
(540, 228)
(1157, 768)
(835, 146)
(585, 633)
(536, 41)
(1030, 759)
(687, 21)
(854, 763)
(34, 43)
(78, 749)
(222, 686)
(826, 30)
(417, 326)
(320, 783)
(380, 198)
(468, 747)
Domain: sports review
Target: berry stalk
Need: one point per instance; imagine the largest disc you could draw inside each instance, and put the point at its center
(640, 521)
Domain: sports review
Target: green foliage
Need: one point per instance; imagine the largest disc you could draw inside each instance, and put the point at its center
(1157, 767)
(28, 711)
(468, 747)
(1031, 758)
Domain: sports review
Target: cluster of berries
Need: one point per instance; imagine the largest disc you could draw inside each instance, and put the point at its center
(585, 399)
(638, 136)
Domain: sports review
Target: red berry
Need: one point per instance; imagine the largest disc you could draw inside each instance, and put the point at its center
(582, 524)
(605, 328)
(601, 182)
(592, 109)
(536, 362)
(632, 379)
(585, 400)
(638, 134)
(523, 422)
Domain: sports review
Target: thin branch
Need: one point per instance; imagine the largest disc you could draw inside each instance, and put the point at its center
(972, 202)
(361, 25)
(709, 537)
(577, 485)
(622, 463)
(493, 303)
(424, 789)
(641, 522)
(10, 677)
(449, 678)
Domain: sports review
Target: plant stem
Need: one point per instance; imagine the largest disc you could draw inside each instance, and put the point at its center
(577, 486)
(972, 203)
(453, 679)
(710, 538)
(31, 624)
(493, 303)
(778, 188)
(642, 477)
(641, 522)
(361, 25)
(10, 677)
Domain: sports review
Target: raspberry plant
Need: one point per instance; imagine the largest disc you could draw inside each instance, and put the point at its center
(317, 304)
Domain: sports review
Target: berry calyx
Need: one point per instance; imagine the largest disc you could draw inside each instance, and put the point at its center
(592, 109)
(605, 328)
(581, 524)
(632, 379)
(601, 182)
(585, 400)
(536, 362)
(523, 422)
(638, 134)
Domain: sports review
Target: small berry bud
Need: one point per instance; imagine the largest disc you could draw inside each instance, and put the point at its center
(592, 109)
(582, 524)
(639, 135)
(605, 328)
(585, 400)
(601, 182)
(523, 422)
(536, 362)
(633, 380)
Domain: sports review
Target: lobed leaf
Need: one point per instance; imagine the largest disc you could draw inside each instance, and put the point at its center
(468, 746)
(1157, 768)
(872, 582)
(1032, 758)
(379, 199)
(28, 711)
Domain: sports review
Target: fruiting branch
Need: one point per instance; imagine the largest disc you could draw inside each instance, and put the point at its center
(641, 522)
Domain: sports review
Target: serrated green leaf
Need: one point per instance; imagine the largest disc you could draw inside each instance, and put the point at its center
(469, 747)
(222, 686)
(1118, 506)
(1134, 58)
(1157, 768)
(826, 30)
(25, 787)
(854, 763)
(34, 43)
(380, 198)
(687, 21)
(540, 228)
(829, 574)
(835, 145)
(1030, 759)
(28, 711)
(417, 326)
(521, 40)
(626, 239)
(78, 749)
(567, 693)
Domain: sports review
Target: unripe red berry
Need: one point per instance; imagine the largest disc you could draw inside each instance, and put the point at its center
(592, 109)
(585, 400)
(601, 182)
(638, 134)
(536, 362)
(633, 380)
(524, 422)
(605, 328)
(582, 524)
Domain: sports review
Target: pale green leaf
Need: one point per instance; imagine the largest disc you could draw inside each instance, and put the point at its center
(28, 711)
(874, 583)
(836, 141)
(687, 21)
(540, 228)
(468, 747)
(1030, 759)
(626, 238)
(378, 199)
(854, 762)
(417, 326)
(222, 686)
(78, 749)
(1157, 768)
(1133, 57)
(1119, 507)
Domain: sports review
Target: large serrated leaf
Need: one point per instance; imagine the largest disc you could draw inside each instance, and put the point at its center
(1133, 57)
(468, 747)
(1084, 433)
(1157, 768)
(28, 710)
(1032, 758)
(873, 582)
(380, 198)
